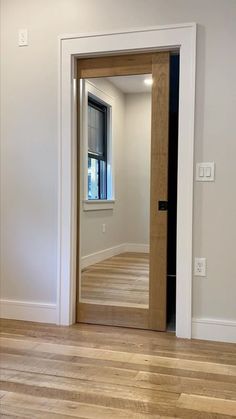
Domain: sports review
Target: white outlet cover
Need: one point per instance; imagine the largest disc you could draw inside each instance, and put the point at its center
(200, 267)
(22, 37)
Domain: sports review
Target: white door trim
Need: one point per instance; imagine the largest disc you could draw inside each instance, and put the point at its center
(182, 36)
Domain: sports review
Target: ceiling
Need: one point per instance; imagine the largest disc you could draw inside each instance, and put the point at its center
(131, 84)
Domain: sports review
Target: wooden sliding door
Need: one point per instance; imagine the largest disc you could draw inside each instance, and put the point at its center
(154, 315)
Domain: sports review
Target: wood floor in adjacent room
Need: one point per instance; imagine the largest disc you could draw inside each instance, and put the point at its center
(87, 371)
(120, 280)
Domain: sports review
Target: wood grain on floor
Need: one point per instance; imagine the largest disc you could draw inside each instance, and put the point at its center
(119, 280)
(87, 371)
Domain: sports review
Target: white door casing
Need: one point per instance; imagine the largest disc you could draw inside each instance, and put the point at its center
(183, 37)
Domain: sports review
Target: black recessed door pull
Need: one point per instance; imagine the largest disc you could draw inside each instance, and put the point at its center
(162, 205)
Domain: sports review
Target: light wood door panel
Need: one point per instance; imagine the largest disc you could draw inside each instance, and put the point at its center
(159, 191)
(156, 64)
(119, 65)
(113, 315)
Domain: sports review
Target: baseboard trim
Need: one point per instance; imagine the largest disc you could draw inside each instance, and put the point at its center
(136, 247)
(101, 255)
(28, 311)
(89, 260)
(214, 329)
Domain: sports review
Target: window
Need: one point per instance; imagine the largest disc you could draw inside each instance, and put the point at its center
(97, 146)
(97, 150)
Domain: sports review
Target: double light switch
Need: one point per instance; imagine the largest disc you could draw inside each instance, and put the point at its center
(205, 172)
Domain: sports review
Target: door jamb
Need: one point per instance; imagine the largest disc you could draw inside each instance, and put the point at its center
(71, 47)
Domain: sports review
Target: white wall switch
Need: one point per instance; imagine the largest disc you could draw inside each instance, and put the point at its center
(104, 228)
(205, 172)
(23, 37)
(200, 267)
(201, 172)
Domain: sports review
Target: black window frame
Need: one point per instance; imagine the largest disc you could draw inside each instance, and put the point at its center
(96, 104)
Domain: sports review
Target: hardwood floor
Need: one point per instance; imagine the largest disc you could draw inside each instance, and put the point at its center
(120, 280)
(86, 371)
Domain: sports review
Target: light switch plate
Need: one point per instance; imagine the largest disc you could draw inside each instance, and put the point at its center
(205, 172)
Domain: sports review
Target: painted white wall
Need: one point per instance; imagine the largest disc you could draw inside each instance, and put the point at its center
(137, 166)
(29, 138)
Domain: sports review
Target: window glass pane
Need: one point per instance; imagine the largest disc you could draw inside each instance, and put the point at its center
(96, 130)
(93, 178)
(97, 154)
(103, 180)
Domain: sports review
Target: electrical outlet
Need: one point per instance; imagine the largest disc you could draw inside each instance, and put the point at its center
(23, 37)
(200, 267)
(104, 228)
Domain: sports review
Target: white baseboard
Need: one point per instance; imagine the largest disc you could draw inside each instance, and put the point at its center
(214, 329)
(136, 247)
(28, 311)
(112, 251)
(101, 255)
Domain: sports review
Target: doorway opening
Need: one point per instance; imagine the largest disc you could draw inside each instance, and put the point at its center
(128, 114)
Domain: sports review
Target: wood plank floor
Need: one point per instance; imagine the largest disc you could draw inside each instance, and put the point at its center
(87, 371)
(120, 280)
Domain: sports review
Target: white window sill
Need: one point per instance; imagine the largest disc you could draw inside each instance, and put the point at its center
(97, 205)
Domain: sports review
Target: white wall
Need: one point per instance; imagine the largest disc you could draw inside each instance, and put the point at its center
(29, 138)
(137, 166)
